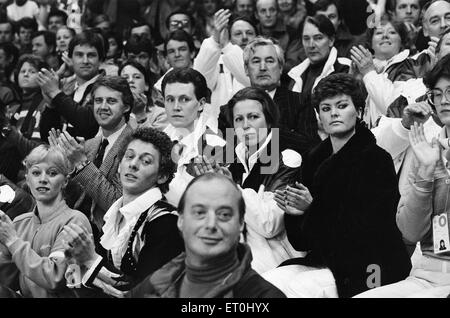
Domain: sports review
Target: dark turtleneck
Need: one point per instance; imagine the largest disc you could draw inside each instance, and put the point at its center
(313, 71)
(199, 280)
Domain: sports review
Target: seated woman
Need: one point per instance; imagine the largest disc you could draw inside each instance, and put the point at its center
(344, 212)
(388, 72)
(318, 37)
(260, 169)
(142, 114)
(32, 118)
(32, 258)
(140, 231)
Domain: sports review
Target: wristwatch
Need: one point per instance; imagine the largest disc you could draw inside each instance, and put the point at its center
(79, 167)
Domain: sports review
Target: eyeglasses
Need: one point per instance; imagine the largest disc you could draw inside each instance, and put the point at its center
(435, 96)
(179, 23)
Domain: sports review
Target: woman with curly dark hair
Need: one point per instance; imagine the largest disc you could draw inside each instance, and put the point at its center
(343, 212)
(140, 231)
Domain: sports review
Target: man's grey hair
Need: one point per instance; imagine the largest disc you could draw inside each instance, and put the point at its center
(262, 41)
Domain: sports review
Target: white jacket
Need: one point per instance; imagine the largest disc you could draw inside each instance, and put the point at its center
(296, 72)
(223, 70)
(382, 91)
(393, 137)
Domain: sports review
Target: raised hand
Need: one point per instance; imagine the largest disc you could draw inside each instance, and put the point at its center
(49, 82)
(220, 32)
(416, 113)
(427, 154)
(74, 150)
(362, 58)
(431, 50)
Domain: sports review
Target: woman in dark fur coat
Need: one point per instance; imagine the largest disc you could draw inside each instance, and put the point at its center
(344, 212)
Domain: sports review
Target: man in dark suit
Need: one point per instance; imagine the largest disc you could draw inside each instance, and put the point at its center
(95, 184)
(263, 62)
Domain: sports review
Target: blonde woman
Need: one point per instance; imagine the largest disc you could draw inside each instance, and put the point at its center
(32, 261)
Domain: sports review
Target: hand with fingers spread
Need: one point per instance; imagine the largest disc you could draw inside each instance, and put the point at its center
(220, 31)
(53, 136)
(49, 83)
(8, 233)
(79, 244)
(427, 154)
(416, 113)
(362, 58)
(74, 150)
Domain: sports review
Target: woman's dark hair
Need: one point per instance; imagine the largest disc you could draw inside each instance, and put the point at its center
(399, 27)
(33, 60)
(137, 66)
(441, 69)
(181, 36)
(213, 176)
(322, 23)
(89, 38)
(188, 75)
(270, 110)
(339, 84)
(119, 84)
(163, 144)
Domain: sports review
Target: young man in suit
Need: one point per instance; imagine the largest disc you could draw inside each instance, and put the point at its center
(95, 183)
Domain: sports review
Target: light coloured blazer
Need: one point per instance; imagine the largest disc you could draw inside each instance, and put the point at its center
(102, 184)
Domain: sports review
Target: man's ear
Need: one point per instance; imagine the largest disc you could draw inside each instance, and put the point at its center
(180, 222)
(246, 69)
(331, 42)
(201, 105)
(425, 30)
(161, 179)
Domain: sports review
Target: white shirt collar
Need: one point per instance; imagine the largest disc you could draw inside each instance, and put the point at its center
(80, 89)
(111, 138)
(115, 239)
(241, 151)
(272, 92)
(190, 141)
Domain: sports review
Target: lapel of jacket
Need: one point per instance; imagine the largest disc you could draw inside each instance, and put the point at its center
(114, 151)
(92, 147)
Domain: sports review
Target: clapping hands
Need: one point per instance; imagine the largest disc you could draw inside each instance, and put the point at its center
(294, 199)
(74, 150)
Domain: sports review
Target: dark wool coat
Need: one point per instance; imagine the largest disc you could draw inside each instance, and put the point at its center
(351, 223)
